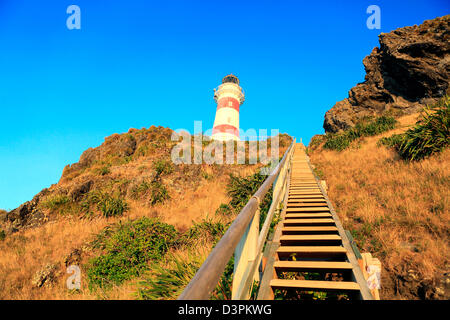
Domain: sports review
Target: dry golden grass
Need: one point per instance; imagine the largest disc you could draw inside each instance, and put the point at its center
(398, 211)
(26, 252)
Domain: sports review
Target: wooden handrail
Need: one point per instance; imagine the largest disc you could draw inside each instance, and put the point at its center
(244, 285)
(207, 277)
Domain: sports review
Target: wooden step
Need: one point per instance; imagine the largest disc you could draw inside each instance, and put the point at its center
(304, 193)
(299, 204)
(306, 209)
(314, 285)
(312, 266)
(316, 252)
(310, 239)
(300, 197)
(303, 186)
(304, 173)
(307, 199)
(316, 201)
(302, 180)
(303, 177)
(319, 221)
(317, 229)
(299, 175)
(308, 215)
(292, 188)
(307, 191)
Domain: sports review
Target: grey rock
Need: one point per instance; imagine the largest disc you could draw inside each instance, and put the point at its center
(409, 70)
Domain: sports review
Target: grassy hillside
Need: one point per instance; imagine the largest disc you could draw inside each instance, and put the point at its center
(126, 215)
(396, 209)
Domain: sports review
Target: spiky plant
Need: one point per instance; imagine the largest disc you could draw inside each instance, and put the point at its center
(430, 135)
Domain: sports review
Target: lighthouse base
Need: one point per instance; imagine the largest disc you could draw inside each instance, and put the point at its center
(224, 136)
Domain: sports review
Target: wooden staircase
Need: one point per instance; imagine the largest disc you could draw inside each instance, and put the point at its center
(310, 250)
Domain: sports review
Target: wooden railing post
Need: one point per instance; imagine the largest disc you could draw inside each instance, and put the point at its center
(253, 242)
(244, 256)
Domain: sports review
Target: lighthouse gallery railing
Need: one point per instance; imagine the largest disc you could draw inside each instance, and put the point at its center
(244, 239)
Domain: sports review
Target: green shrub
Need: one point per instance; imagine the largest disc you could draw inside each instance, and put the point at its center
(55, 201)
(109, 205)
(241, 189)
(224, 210)
(372, 128)
(104, 170)
(118, 161)
(2, 235)
(340, 141)
(143, 150)
(127, 249)
(140, 189)
(163, 167)
(158, 193)
(154, 190)
(206, 230)
(315, 141)
(393, 141)
(169, 281)
(430, 135)
(223, 288)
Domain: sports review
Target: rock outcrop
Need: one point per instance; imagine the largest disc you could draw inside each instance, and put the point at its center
(409, 70)
(27, 215)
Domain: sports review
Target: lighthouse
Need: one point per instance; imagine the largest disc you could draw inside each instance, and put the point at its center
(229, 96)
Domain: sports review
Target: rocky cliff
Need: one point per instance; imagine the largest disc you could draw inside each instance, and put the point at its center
(409, 70)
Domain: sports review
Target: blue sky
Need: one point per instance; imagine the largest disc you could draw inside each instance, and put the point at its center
(135, 64)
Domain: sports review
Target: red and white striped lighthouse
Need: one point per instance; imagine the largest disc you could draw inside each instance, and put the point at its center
(229, 96)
